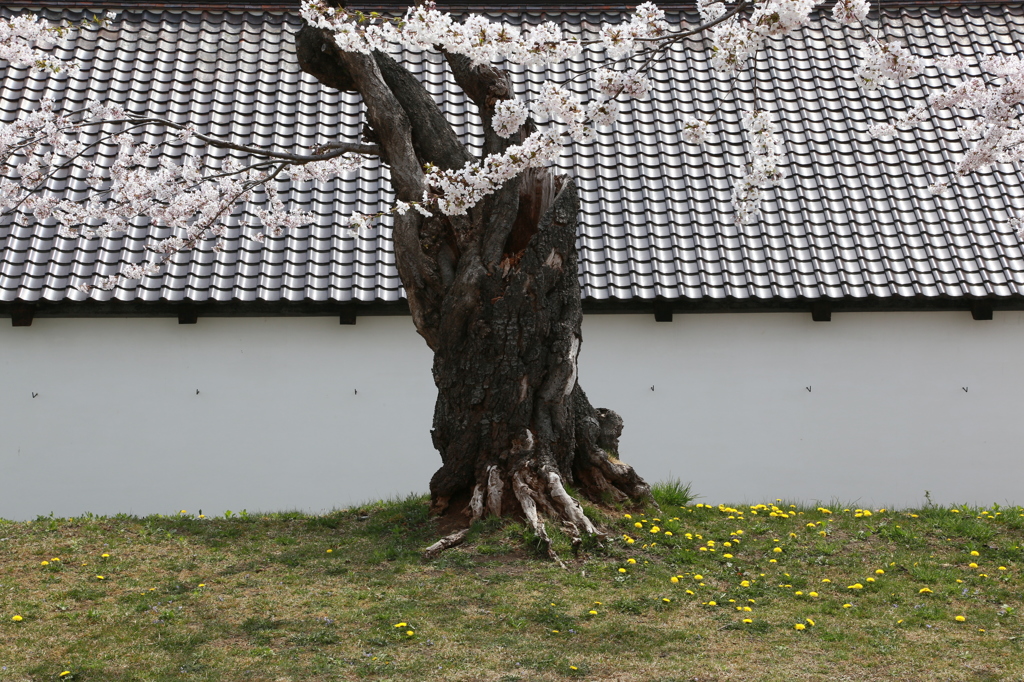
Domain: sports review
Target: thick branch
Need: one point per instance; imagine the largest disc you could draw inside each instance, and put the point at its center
(415, 237)
(318, 56)
(388, 119)
(432, 136)
(486, 86)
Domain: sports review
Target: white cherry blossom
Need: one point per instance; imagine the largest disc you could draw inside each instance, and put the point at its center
(509, 116)
(850, 11)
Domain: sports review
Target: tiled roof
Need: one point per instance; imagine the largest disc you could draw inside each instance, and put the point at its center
(852, 220)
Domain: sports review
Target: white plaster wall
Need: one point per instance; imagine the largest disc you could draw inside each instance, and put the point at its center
(886, 417)
(277, 424)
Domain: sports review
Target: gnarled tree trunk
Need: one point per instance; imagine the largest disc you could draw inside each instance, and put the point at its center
(495, 294)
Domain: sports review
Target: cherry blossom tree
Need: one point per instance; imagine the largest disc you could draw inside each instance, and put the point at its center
(485, 245)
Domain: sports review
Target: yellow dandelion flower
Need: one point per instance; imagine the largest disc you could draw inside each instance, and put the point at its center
(972, 565)
(655, 529)
(666, 600)
(855, 586)
(727, 556)
(674, 579)
(409, 633)
(17, 619)
(812, 594)
(100, 577)
(630, 561)
(870, 580)
(879, 571)
(974, 553)
(810, 622)
(773, 561)
(44, 563)
(555, 632)
(330, 551)
(104, 556)
(690, 592)
(712, 603)
(622, 570)
(825, 580)
(799, 626)
(627, 516)
(847, 606)
(777, 550)
(1002, 568)
(924, 590)
(202, 584)
(747, 620)
(745, 583)
(798, 593)
(698, 577)
(959, 619)
(638, 525)
(404, 625)
(572, 667)
(747, 608)
(592, 612)
(65, 673)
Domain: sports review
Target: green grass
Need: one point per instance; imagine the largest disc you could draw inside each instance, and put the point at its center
(291, 597)
(672, 493)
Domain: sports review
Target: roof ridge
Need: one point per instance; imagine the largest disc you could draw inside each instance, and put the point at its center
(475, 5)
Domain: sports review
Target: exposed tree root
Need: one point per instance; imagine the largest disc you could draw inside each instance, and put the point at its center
(541, 498)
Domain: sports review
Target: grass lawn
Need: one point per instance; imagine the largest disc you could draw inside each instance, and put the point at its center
(690, 592)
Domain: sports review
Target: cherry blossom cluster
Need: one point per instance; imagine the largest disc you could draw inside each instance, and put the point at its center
(710, 10)
(141, 184)
(882, 61)
(455, 192)
(509, 116)
(695, 130)
(24, 42)
(762, 172)
(850, 11)
(736, 40)
(424, 27)
(996, 126)
(647, 24)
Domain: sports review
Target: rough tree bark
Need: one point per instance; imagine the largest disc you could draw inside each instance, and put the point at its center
(496, 296)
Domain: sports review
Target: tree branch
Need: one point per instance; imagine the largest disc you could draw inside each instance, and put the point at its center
(337, 149)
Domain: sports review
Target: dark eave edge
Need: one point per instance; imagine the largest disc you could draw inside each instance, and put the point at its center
(661, 307)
